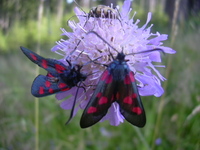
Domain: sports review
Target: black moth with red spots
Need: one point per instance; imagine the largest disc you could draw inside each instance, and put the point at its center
(117, 84)
(59, 76)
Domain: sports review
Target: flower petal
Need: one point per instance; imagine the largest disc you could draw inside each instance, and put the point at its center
(114, 115)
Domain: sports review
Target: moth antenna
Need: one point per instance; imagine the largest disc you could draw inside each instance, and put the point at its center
(74, 49)
(79, 54)
(88, 16)
(97, 62)
(103, 41)
(74, 16)
(78, 5)
(151, 50)
(71, 54)
(91, 60)
(92, 73)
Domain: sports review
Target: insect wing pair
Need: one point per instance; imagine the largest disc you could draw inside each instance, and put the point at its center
(117, 84)
(59, 76)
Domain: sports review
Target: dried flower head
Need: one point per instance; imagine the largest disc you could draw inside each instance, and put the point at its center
(121, 32)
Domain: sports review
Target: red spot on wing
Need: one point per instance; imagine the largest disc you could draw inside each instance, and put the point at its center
(104, 75)
(47, 83)
(137, 110)
(44, 63)
(127, 80)
(62, 85)
(99, 95)
(131, 75)
(91, 110)
(59, 68)
(103, 100)
(117, 95)
(128, 100)
(65, 89)
(134, 95)
(50, 75)
(109, 79)
(33, 57)
(41, 90)
(51, 90)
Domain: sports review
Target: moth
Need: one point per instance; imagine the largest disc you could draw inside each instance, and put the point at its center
(59, 78)
(117, 84)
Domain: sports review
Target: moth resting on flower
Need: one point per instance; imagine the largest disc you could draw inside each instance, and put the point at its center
(116, 85)
(124, 35)
(59, 78)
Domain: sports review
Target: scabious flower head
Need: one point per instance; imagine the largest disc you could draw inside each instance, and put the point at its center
(122, 33)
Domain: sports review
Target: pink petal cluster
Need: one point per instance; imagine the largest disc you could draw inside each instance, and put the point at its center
(124, 35)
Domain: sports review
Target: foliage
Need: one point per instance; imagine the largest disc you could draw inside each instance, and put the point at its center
(179, 128)
(193, 23)
(27, 34)
(159, 19)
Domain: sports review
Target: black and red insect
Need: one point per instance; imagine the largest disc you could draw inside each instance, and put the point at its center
(59, 77)
(117, 84)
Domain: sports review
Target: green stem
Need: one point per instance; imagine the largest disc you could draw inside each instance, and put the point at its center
(167, 74)
(39, 22)
(36, 124)
(141, 137)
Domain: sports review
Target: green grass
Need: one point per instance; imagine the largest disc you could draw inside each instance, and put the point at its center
(179, 129)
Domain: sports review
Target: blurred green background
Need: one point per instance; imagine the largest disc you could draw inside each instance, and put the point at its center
(173, 120)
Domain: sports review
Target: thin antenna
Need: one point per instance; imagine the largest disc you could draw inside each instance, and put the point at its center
(83, 26)
(86, 14)
(151, 50)
(79, 6)
(146, 51)
(76, 16)
(103, 41)
(79, 54)
(74, 49)
(91, 60)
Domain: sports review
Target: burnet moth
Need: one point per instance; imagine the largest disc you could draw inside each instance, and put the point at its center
(117, 84)
(59, 77)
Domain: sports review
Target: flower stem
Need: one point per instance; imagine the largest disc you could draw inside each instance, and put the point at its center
(36, 124)
(141, 137)
(39, 22)
(174, 31)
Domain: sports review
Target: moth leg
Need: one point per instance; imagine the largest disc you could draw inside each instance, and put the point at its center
(82, 87)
